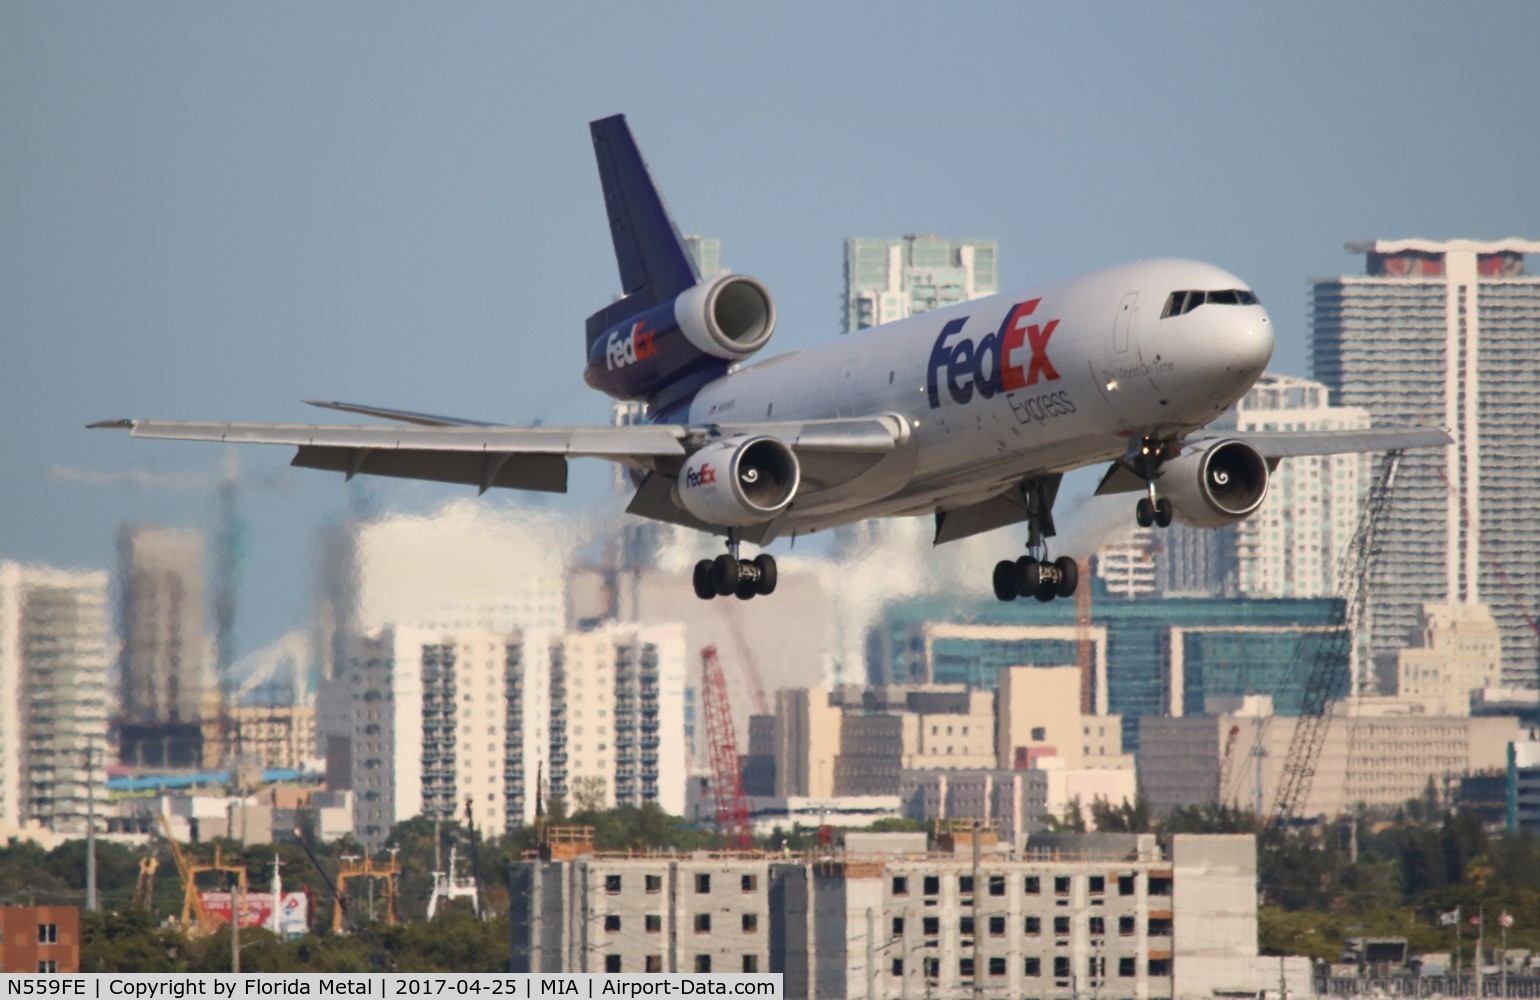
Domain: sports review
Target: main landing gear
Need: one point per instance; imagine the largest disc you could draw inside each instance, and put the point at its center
(1151, 509)
(1034, 574)
(729, 575)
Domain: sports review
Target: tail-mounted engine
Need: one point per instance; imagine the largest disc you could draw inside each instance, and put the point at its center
(692, 337)
(1222, 484)
(739, 482)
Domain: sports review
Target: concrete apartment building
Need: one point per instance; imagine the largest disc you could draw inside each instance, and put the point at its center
(891, 279)
(1107, 915)
(54, 696)
(1459, 652)
(1377, 752)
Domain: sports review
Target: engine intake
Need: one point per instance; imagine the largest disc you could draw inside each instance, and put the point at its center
(739, 482)
(729, 318)
(1222, 484)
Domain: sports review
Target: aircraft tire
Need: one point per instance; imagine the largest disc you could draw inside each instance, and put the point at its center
(746, 589)
(1144, 512)
(705, 587)
(1069, 575)
(768, 575)
(1163, 512)
(724, 573)
(1005, 581)
(1029, 575)
(1046, 592)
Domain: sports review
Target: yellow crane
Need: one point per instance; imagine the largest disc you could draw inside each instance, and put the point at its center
(195, 919)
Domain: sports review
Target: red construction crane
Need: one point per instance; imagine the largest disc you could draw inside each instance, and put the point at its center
(726, 770)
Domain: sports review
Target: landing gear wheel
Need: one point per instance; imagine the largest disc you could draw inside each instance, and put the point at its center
(1144, 512)
(746, 589)
(724, 574)
(767, 575)
(1069, 575)
(1005, 581)
(1163, 512)
(1046, 592)
(705, 587)
(1029, 575)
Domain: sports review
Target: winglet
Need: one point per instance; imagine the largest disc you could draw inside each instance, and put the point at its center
(125, 424)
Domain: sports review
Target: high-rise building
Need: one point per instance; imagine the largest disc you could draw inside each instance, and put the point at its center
(887, 280)
(706, 251)
(1291, 547)
(54, 663)
(1443, 333)
(166, 657)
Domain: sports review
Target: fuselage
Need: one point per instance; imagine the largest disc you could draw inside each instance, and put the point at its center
(1014, 385)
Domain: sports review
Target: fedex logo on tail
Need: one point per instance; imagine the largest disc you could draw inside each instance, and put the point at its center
(993, 364)
(629, 348)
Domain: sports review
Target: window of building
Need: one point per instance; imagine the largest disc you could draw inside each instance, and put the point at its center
(1126, 966)
(965, 968)
(1125, 885)
(612, 921)
(702, 883)
(1039, 734)
(997, 965)
(750, 883)
(1034, 926)
(997, 926)
(965, 884)
(611, 963)
(1061, 926)
(654, 883)
(1096, 967)
(965, 926)
(897, 968)
(1032, 967)
(654, 963)
(750, 923)
(997, 885)
(1160, 927)
(931, 926)
(933, 968)
(1160, 885)
(1096, 885)
(1061, 885)
(1033, 885)
(47, 933)
(1126, 926)
(750, 963)
(47, 965)
(900, 885)
(1061, 966)
(703, 923)
(898, 926)
(654, 923)
(1160, 967)
(933, 885)
(702, 963)
(612, 884)
(1098, 926)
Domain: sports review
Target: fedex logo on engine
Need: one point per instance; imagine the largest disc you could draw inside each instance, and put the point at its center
(630, 347)
(994, 363)
(701, 477)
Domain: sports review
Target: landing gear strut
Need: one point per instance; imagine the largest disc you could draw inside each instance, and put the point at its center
(1150, 509)
(1034, 574)
(728, 574)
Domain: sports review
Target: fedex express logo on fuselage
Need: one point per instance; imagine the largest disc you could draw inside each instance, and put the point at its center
(993, 364)
(629, 348)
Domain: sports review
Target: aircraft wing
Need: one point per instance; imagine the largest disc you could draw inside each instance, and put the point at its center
(1289, 444)
(525, 458)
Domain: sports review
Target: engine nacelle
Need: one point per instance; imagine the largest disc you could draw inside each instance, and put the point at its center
(739, 482)
(699, 332)
(1221, 484)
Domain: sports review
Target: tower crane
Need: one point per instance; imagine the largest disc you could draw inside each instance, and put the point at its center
(1333, 653)
(732, 806)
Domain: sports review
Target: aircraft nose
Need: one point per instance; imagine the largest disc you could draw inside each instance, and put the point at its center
(1249, 346)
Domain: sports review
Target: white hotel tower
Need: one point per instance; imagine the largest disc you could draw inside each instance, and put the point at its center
(1447, 333)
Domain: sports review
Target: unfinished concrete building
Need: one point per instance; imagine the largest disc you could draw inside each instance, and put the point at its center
(1113, 915)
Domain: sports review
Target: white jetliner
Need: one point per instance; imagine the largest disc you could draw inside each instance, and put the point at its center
(971, 414)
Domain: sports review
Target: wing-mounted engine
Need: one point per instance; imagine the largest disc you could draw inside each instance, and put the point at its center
(739, 481)
(683, 342)
(1223, 483)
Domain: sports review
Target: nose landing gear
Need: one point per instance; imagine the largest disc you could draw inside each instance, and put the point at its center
(1151, 509)
(730, 575)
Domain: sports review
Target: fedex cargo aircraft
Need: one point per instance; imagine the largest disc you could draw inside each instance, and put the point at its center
(970, 414)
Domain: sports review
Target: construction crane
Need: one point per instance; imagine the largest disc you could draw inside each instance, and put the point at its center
(353, 867)
(195, 919)
(144, 890)
(1333, 654)
(732, 806)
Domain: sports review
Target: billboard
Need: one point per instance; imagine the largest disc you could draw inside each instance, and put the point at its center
(293, 918)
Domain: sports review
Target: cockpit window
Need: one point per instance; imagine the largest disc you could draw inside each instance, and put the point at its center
(1181, 303)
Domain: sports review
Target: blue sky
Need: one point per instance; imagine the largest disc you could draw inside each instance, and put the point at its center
(217, 210)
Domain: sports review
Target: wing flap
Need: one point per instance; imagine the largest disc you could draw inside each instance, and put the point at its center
(1289, 444)
(541, 473)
